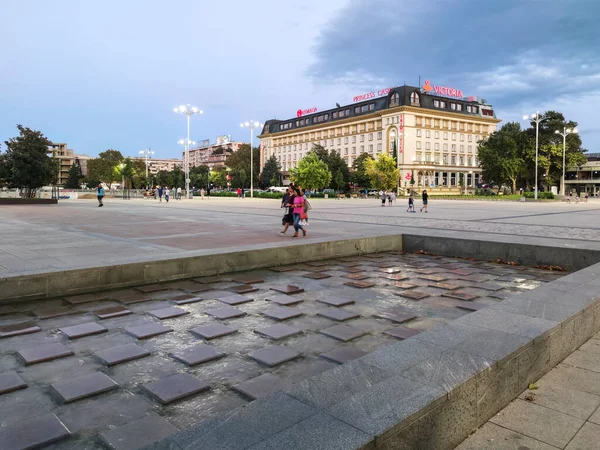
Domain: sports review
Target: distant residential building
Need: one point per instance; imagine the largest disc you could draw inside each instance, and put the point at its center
(213, 155)
(155, 165)
(81, 161)
(65, 157)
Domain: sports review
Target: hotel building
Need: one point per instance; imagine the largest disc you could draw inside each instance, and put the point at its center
(435, 130)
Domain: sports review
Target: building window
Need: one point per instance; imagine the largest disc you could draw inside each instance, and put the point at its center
(469, 160)
(354, 150)
(462, 148)
(445, 159)
(418, 144)
(354, 139)
(462, 137)
(362, 138)
(453, 160)
(418, 133)
(415, 99)
(453, 106)
(454, 147)
(339, 141)
(331, 142)
(371, 106)
(445, 147)
(370, 136)
(378, 147)
(462, 160)
(436, 103)
(379, 135)
(436, 134)
(370, 148)
(459, 107)
(346, 151)
(418, 156)
(427, 157)
(442, 104)
(445, 135)
(436, 158)
(453, 136)
(346, 140)
(487, 112)
(475, 162)
(470, 138)
(362, 148)
(470, 148)
(427, 145)
(395, 99)
(357, 110)
(475, 109)
(427, 133)
(436, 146)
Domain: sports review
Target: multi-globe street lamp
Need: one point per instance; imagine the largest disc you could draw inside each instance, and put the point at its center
(252, 125)
(537, 119)
(146, 152)
(566, 131)
(188, 111)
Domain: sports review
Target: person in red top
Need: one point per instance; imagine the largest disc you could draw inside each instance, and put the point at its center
(298, 206)
(239, 192)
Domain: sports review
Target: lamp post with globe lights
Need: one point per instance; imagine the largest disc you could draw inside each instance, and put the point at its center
(537, 119)
(147, 152)
(188, 111)
(186, 163)
(566, 131)
(252, 125)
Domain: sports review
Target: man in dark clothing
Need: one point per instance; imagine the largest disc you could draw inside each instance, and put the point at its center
(425, 199)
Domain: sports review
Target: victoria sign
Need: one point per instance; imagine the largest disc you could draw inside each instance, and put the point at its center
(442, 91)
(302, 112)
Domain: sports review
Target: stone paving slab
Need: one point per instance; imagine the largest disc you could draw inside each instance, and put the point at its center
(260, 386)
(81, 387)
(18, 329)
(169, 313)
(44, 353)
(336, 301)
(113, 311)
(273, 356)
(198, 354)
(278, 331)
(175, 387)
(11, 381)
(338, 314)
(51, 312)
(284, 300)
(124, 353)
(148, 330)
(83, 330)
(7, 309)
(283, 313)
(343, 355)
(403, 332)
(235, 299)
(225, 313)
(343, 332)
(213, 331)
(186, 299)
(36, 432)
(138, 434)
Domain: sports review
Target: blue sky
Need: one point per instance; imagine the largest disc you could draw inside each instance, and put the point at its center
(101, 75)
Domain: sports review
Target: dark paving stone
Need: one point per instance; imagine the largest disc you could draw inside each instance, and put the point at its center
(224, 313)
(187, 285)
(234, 299)
(402, 332)
(502, 295)
(73, 389)
(185, 299)
(152, 288)
(394, 277)
(342, 355)
(463, 272)
(317, 275)
(357, 276)
(471, 306)
(413, 295)
(435, 278)
(124, 353)
(197, 288)
(489, 286)
(385, 265)
(282, 269)
(213, 331)
(85, 298)
(352, 270)
(7, 309)
(343, 332)
(459, 295)
(138, 434)
(134, 298)
(273, 356)
(282, 313)
(318, 263)
(288, 289)
(18, 329)
(148, 330)
(337, 314)
(260, 386)
(43, 353)
(248, 279)
(169, 313)
(278, 331)
(285, 300)
(477, 277)
(33, 433)
(336, 301)
(51, 312)
(198, 354)
(209, 280)
(390, 270)
(175, 387)
(11, 381)
(446, 286)
(113, 311)
(243, 289)
(396, 316)
(359, 284)
(83, 330)
(405, 285)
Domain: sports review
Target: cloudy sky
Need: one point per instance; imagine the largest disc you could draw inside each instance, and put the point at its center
(107, 74)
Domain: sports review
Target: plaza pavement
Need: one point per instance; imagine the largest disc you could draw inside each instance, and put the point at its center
(78, 234)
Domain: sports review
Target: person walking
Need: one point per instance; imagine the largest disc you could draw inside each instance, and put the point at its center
(390, 199)
(239, 193)
(100, 193)
(160, 193)
(202, 193)
(298, 212)
(288, 214)
(243, 193)
(425, 198)
(167, 192)
(179, 193)
(411, 205)
(383, 197)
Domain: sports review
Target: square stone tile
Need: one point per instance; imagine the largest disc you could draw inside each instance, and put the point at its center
(278, 331)
(152, 288)
(342, 355)
(11, 381)
(83, 330)
(224, 313)
(248, 279)
(18, 329)
(197, 288)
(53, 311)
(234, 299)
(402, 332)
(357, 276)
(434, 278)
(72, 389)
(198, 354)
(288, 289)
(343, 333)
(210, 280)
(394, 277)
(336, 301)
(7, 309)
(385, 265)
(337, 314)
(390, 270)
(446, 286)
(413, 295)
(184, 299)
(471, 306)
(282, 269)
(489, 286)
(359, 284)
(134, 298)
(43, 353)
(212, 331)
(169, 313)
(317, 275)
(405, 285)
(175, 387)
(85, 298)
(124, 353)
(352, 269)
(273, 356)
(260, 386)
(493, 437)
(395, 316)
(586, 438)
(113, 311)
(459, 295)
(284, 300)
(33, 433)
(148, 330)
(138, 434)
(243, 289)
(282, 313)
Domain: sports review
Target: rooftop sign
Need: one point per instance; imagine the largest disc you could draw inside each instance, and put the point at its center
(442, 91)
(302, 112)
(369, 95)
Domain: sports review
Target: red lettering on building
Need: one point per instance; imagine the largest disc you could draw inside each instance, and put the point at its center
(441, 90)
(302, 112)
(370, 95)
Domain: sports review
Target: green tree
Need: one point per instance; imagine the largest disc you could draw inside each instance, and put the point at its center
(218, 177)
(335, 163)
(271, 171)
(73, 182)
(383, 172)
(138, 175)
(177, 178)
(29, 166)
(103, 167)
(163, 178)
(4, 170)
(359, 173)
(240, 159)
(339, 181)
(312, 172)
(199, 176)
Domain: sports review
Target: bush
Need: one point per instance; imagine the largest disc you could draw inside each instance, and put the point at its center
(484, 192)
(541, 195)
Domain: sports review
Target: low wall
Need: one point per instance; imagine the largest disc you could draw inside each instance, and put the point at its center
(27, 201)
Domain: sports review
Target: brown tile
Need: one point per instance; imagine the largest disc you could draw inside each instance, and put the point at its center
(186, 285)
(134, 298)
(43, 353)
(337, 314)
(359, 284)
(357, 276)
(278, 331)
(11, 381)
(148, 330)
(477, 277)
(260, 386)
(352, 269)
(395, 316)
(489, 286)
(226, 312)
(273, 356)
(184, 299)
(402, 332)
(319, 263)
(113, 311)
(18, 329)
(198, 354)
(459, 295)
(86, 298)
(435, 278)
(200, 288)
(394, 277)
(343, 355)
(336, 301)
(385, 265)
(124, 353)
(33, 433)
(283, 313)
(446, 286)
(343, 332)
(375, 255)
(53, 311)
(83, 330)
(284, 300)
(405, 285)
(242, 289)
(234, 299)
(152, 288)
(317, 275)
(413, 295)
(73, 389)
(169, 312)
(288, 289)
(248, 279)
(175, 387)
(212, 331)
(390, 270)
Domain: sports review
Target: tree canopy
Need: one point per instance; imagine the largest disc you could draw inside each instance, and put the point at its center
(271, 173)
(335, 163)
(359, 173)
(382, 172)
(73, 182)
(312, 172)
(239, 163)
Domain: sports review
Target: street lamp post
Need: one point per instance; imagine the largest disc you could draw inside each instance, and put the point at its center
(186, 145)
(188, 111)
(566, 131)
(252, 125)
(537, 119)
(146, 152)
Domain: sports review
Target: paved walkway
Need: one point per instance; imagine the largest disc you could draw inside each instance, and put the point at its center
(563, 413)
(78, 234)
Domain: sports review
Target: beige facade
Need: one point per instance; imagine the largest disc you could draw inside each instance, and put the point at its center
(205, 155)
(65, 157)
(156, 165)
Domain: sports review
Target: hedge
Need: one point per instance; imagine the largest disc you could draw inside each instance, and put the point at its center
(541, 195)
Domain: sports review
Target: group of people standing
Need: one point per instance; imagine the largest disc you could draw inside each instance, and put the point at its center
(389, 196)
(296, 210)
(159, 192)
